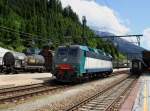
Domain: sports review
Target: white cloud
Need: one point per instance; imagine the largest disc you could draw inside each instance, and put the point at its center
(145, 40)
(99, 16)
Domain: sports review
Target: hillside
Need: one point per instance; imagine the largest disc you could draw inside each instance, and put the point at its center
(43, 20)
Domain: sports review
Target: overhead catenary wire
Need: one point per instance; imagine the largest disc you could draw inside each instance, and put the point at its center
(10, 30)
(41, 38)
(17, 32)
(29, 34)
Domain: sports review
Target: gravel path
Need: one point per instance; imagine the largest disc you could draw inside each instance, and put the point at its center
(65, 98)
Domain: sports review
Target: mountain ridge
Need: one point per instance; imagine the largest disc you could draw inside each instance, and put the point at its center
(123, 45)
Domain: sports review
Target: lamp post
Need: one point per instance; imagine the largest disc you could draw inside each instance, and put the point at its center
(116, 44)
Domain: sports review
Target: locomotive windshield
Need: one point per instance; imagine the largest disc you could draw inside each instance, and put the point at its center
(73, 52)
(67, 52)
(62, 52)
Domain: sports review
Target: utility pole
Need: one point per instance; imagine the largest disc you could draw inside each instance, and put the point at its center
(138, 40)
(83, 29)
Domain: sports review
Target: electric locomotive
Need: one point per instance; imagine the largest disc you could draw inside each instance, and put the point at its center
(137, 66)
(76, 62)
(146, 59)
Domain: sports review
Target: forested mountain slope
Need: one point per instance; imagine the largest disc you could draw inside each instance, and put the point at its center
(43, 19)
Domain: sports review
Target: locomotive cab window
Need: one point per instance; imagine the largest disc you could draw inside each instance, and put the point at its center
(73, 52)
(62, 52)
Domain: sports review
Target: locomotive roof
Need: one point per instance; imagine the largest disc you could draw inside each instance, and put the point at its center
(86, 48)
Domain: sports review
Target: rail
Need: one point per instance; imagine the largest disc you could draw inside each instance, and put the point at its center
(16, 93)
(105, 98)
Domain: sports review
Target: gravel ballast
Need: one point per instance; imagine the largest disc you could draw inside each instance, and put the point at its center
(68, 97)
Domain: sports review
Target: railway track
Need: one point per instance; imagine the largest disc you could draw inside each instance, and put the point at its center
(105, 99)
(20, 92)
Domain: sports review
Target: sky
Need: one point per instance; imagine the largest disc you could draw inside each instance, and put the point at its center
(120, 17)
(133, 12)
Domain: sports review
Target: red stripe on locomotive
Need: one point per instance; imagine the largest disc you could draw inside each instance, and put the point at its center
(62, 68)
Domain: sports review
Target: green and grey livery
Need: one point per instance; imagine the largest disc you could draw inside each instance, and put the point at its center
(83, 61)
